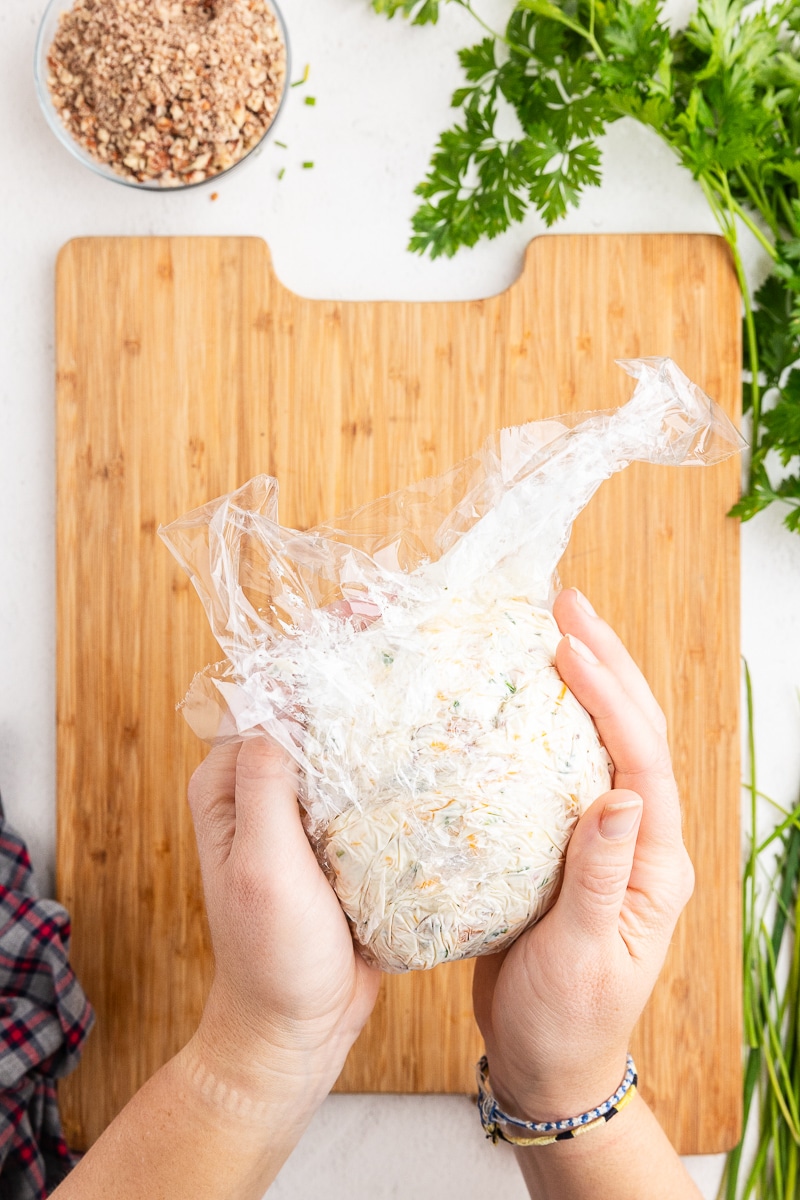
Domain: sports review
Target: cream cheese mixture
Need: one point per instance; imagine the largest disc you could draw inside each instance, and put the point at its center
(458, 762)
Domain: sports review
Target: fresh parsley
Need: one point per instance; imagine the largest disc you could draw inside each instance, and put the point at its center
(723, 93)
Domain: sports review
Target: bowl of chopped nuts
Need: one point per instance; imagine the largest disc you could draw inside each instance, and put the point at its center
(161, 94)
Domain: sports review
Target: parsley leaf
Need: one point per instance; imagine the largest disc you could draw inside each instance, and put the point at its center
(422, 12)
(559, 175)
(783, 421)
(778, 348)
(723, 93)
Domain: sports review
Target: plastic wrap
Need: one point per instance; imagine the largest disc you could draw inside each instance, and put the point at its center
(403, 654)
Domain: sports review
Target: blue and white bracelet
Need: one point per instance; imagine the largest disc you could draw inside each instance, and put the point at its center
(544, 1132)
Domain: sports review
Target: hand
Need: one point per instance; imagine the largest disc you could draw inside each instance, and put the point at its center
(557, 1009)
(290, 991)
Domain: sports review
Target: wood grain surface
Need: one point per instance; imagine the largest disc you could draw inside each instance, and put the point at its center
(184, 367)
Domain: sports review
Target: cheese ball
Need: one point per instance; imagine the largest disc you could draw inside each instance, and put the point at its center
(450, 764)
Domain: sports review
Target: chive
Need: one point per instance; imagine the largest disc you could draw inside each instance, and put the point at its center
(311, 100)
(304, 79)
(791, 1170)
(773, 1052)
(282, 145)
(307, 166)
(772, 1071)
(777, 1155)
(281, 173)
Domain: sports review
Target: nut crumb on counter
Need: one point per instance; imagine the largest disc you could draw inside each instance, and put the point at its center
(167, 91)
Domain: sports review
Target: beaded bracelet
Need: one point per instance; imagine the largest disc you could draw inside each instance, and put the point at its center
(546, 1132)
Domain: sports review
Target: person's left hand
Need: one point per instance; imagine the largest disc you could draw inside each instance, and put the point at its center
(557, 1008)
(290, 990)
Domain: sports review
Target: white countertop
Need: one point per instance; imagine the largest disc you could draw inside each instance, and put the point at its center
(339, 230)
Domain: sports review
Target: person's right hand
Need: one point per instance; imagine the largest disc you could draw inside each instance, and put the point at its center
(557, 1008)
(290, 994)
(290, 991)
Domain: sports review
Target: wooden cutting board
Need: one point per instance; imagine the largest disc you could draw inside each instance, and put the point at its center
(183, 368)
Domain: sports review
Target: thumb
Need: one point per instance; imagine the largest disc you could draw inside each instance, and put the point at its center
(211, 802)
(269, 830)
(598, 864)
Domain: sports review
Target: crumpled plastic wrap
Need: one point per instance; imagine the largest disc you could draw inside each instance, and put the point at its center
(403, 655)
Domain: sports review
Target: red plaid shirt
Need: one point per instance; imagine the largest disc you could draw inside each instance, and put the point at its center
(44, 1020)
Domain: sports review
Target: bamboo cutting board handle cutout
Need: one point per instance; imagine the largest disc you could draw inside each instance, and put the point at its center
(184, 368)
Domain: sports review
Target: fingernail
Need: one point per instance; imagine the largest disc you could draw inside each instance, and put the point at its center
(583, 603)
(581, 649)
(618, 821)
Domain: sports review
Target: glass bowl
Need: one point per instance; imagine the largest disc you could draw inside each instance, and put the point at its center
(44, 40)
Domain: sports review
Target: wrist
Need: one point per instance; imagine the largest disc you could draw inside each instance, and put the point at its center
(264, 1063)
(248, 1088)
(562, 1093)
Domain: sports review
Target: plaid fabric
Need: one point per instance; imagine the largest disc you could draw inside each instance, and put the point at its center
(44, 1020)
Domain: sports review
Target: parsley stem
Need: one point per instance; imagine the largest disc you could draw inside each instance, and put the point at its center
(721, 186)
(753, 790)
(729, 1181)
(711, 193)
(498, 37)
(788, 212)
(575, 26)
(756, 232)
(760, 202)
(724, 207)
(524, 51)
(752, 346)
